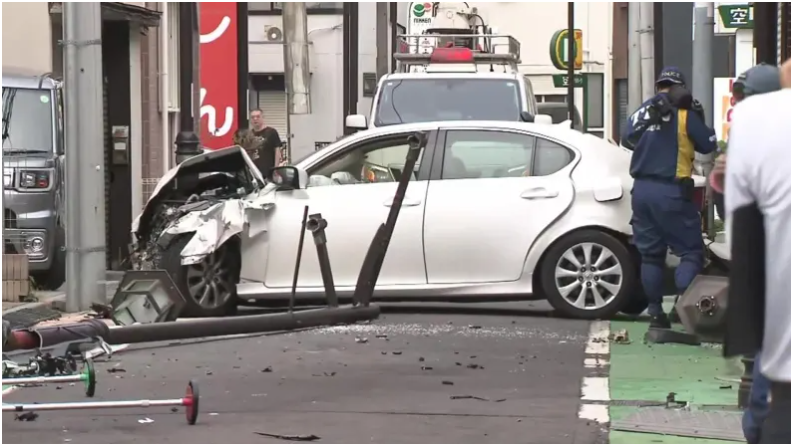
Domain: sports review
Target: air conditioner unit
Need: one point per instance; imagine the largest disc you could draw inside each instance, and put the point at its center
(274, 34)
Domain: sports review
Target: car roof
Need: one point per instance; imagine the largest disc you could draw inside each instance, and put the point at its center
(14, 77)
(450, 75)
(560, 132)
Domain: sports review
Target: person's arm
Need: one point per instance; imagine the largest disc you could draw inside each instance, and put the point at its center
(274, 141)
(703, 137)
(637, 124)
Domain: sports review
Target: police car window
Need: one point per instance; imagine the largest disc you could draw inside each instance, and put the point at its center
(404, 101)
(380, 161)
(550, 157)
(486, 154)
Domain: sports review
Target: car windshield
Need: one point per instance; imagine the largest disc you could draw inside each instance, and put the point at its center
(405, 101)
(27, 120)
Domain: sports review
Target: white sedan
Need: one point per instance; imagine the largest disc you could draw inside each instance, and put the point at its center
(494, 211)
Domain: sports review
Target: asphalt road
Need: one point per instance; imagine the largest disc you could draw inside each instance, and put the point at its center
(390, 381)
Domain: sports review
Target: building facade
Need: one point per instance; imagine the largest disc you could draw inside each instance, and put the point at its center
(137, 111)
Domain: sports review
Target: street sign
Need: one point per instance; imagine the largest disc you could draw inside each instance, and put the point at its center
(558, 50)
(737, 16)
(560, 81)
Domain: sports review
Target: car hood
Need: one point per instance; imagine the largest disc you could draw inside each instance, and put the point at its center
(231, 159)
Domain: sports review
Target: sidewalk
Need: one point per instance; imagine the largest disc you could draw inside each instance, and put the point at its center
(641, 374)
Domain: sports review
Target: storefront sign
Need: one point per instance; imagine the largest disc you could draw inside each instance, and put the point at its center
(219, 95)
(736, 16)
(722, 107)
(559, 49)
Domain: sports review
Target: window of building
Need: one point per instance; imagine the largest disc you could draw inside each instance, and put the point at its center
(541, 98)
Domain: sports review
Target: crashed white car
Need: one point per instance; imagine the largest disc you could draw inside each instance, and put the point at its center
(495, 211)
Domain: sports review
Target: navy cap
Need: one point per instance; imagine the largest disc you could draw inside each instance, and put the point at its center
(672, 75)
(759, 79)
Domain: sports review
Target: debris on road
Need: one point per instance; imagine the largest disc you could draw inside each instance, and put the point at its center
(478, 398)
(116, 370)
(447, 383)
(475, 327)
(26, 416)
(620, 337)
(475, 366)
(267, 369)
(382, 336)
(396, 353)
(289, 437)
(361, 340)
(145, 420)
(421, 359)
(425, 367)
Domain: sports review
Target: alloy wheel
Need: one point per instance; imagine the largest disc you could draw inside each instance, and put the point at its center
(588, 276)
(209, 282)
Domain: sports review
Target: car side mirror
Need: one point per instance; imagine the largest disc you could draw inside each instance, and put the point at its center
(543, 119)
(288, 177)
(526, 116)
(356, 122)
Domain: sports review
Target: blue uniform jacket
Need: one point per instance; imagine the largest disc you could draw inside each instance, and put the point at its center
(665, 151)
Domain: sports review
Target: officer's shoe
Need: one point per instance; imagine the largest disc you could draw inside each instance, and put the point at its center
(660, 321)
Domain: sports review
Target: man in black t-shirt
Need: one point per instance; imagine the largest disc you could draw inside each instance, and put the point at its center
(270, 149)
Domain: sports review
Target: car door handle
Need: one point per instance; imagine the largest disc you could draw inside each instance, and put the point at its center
(539, 193)
(405, 203)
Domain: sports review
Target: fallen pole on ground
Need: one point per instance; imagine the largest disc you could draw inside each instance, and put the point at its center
(189, 402)
(188, 329)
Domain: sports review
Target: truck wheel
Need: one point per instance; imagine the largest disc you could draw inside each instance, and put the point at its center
(209, 287)
(55, 277)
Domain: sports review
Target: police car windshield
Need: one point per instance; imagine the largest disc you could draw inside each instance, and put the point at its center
(27, 120)
(404, 101)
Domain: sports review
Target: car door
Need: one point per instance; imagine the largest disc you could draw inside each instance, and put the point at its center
(491, 194)
(353, 190)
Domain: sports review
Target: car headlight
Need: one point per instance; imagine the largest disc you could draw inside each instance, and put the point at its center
(34, 244)
(35, 179)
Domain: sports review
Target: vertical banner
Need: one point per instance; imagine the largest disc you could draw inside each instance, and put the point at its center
(219, 76)
(723, 104)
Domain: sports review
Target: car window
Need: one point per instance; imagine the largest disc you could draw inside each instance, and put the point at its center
(379, 161)
(550, 157)
(486, 154)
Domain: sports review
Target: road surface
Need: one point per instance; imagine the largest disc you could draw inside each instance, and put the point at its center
(405, 378)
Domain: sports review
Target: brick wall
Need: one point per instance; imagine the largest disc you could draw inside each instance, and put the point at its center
(152, 116)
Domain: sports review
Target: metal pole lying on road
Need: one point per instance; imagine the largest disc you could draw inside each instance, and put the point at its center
(702, 86)
(188, 329)
(86, 156)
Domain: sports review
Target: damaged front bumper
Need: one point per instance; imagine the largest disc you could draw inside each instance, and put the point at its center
(227, 194)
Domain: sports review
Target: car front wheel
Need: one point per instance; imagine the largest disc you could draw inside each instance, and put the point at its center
(209, 287)
(588, 274)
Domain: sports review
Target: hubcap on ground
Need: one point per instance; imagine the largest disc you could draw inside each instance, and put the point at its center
(588, 276)
(209, 282)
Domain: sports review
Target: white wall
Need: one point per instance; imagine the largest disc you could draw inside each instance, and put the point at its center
(533, 24)
(27, 36)
(325, 123)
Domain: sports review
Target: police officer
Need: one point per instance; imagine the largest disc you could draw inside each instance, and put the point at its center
(664, 133)
(759, 79)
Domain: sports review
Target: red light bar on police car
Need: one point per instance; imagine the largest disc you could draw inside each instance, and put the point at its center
(452, 55)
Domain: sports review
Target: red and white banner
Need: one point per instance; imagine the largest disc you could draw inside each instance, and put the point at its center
(219, 65)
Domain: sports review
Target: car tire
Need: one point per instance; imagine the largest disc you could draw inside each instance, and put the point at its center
(224, 266)
(55, 277)
(574, 292)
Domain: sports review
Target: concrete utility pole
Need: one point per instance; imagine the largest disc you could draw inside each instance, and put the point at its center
(381, 35)
(702, 83)
(187, 141)
(571, 63)
(297, 74)
(647, 49)
(85, 159)
(634, 58)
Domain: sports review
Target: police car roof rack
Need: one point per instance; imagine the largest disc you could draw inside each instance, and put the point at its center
(436, 50)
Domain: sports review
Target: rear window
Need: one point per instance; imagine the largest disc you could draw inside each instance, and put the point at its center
(405, 101)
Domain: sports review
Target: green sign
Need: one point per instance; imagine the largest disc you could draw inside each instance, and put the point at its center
(560, 80)
(737, 16)
(559, 47)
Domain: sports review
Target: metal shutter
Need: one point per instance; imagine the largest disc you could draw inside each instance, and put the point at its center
(273, 106)
(622, 107)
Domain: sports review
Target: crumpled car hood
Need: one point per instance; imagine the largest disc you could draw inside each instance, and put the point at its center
(214, 223)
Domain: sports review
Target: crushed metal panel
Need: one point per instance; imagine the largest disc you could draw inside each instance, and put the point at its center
(716, 425)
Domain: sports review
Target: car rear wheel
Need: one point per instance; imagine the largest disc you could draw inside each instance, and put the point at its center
(588, 275)
(209, 287)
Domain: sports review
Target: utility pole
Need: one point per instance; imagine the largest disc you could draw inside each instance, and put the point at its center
(381, 36)
(702, 85)
(634, 58)
(196, 70)
(187, 141)
(647, 49)
(571, 63)
(296, 58)
(350, 62)
(85, 162)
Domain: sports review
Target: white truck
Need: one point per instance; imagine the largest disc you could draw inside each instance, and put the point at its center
(454, 71)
